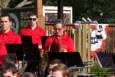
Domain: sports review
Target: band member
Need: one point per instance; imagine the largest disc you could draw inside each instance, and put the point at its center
(7, 33)
(60, 41)
(33, 30)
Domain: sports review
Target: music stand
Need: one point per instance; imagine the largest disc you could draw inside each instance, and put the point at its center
(57, 55)
(32, 56)
(43, 40)
(69, 58)
(74, 58)
(16, 49)
(105, 60)
(26, 40)
(31, 52)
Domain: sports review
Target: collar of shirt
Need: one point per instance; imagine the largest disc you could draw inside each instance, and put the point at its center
(9, 32)
(31, 27)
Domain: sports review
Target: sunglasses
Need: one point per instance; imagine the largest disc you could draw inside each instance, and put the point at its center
(33, 19)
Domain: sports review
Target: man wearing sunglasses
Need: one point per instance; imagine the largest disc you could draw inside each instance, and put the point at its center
(33, 30)
(60, 41)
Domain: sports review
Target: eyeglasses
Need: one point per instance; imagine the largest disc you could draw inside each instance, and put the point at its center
(58, 29)
(33, 19)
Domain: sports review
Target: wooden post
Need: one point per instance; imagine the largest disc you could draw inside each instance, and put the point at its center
(39, 6)
(60, 9)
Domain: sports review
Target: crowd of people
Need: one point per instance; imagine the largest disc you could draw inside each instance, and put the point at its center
(55, 69)
(60, 41)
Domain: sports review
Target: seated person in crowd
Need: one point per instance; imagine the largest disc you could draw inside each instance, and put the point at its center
(50, 66)
(7, 33)
(8, 70)
(60, 71)
(34, 30)
(60, 41)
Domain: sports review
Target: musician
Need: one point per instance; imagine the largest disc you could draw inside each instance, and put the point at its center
(7, 33)
(60, 41)
(34, 30)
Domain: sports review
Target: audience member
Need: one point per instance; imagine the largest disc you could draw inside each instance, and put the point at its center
(9, 70)
(60, 71)
(51, 65)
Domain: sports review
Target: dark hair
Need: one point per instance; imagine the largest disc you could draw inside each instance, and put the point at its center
(33, 14)
(8, 66)
(63, 68)
(59, 21)
(56, 61)
(7, 15)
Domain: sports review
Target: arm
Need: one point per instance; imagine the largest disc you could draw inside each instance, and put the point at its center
(47, 43)
(70, 45)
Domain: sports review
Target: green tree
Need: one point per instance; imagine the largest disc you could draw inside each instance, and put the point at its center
(100, 10)
(15, 3)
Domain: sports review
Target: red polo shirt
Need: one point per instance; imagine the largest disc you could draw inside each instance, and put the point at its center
(54, 43)
(3, 51)
(36, 33)
(10, 37)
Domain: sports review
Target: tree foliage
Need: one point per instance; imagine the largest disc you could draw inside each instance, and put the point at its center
(14, 3)
(50, 2)
(100, 10)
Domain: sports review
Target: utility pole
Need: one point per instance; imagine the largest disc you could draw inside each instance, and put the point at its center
(39, 9)
(60, 9)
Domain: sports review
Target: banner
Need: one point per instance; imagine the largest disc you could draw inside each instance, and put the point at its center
(98, 36)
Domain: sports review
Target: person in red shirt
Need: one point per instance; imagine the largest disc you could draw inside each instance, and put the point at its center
(33, 30)
(60, 41)
(7, 33)
(7, 36)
